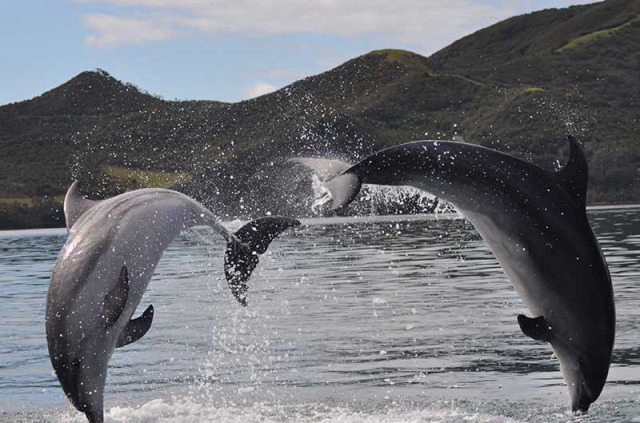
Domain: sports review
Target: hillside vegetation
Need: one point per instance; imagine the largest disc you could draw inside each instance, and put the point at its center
(519, 86)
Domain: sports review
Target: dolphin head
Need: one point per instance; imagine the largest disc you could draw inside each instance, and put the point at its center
(83, 380)
(79, 358)
(585, 372)
(82, 331)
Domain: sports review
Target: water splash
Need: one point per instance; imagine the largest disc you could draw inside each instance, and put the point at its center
(321, 194)
(185, 410)
(402, 199)
(382, 200)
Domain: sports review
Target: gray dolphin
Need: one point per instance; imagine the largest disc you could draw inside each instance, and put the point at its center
(104, 268)
(535, 223)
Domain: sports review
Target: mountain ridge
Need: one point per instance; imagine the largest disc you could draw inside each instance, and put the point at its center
(505, 87)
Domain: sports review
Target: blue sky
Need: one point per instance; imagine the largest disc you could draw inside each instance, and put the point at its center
(226, 50)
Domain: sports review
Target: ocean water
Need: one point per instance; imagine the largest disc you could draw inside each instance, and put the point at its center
(372, 320)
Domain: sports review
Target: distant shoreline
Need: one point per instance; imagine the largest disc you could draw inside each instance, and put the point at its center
(356, 218)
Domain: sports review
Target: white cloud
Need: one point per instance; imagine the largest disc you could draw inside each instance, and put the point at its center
(258, 89)
(425, 24)
(428, 24)
(284, 73)
(270, 73)
(114, 30)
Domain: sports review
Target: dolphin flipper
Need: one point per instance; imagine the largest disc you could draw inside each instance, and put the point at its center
(116, 300)
(241, 256)
(136, 328)
(75, 204)
(535, 328)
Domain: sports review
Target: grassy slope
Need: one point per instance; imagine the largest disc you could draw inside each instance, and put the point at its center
(138, 178)
(589, 90)
(510, 86)
(593, 36)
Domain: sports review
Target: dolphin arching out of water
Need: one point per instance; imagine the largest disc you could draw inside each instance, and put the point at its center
(536, 225)
(104, 268)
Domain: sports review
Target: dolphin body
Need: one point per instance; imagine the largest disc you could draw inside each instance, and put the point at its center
(535, 223)
(104, 268)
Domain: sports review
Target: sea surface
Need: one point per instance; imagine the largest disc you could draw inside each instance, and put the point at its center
(365, 320)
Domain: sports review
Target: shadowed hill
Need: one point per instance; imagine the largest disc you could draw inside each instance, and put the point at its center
(577, 66)
(519, 86)
(89, 93)
(531, 35)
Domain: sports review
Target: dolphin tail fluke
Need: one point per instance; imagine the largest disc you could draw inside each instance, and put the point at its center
(325, 169)
(342, 189)
(241, 256)
(339, 186)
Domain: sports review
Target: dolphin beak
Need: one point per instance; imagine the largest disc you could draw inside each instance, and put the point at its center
(581, 400)
(83, 394)
(588, 386)
(69, 377)
(95, 415)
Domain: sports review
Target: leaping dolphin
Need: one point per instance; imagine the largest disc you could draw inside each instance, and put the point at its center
(535, 223)
(104, 268)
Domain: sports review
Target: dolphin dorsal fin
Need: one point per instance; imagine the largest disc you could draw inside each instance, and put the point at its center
(573, 177)
(116, 300)
(535, 328)
(136, 328)
(75, 204)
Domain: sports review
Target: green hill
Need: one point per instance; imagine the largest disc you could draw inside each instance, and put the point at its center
(520, 86)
